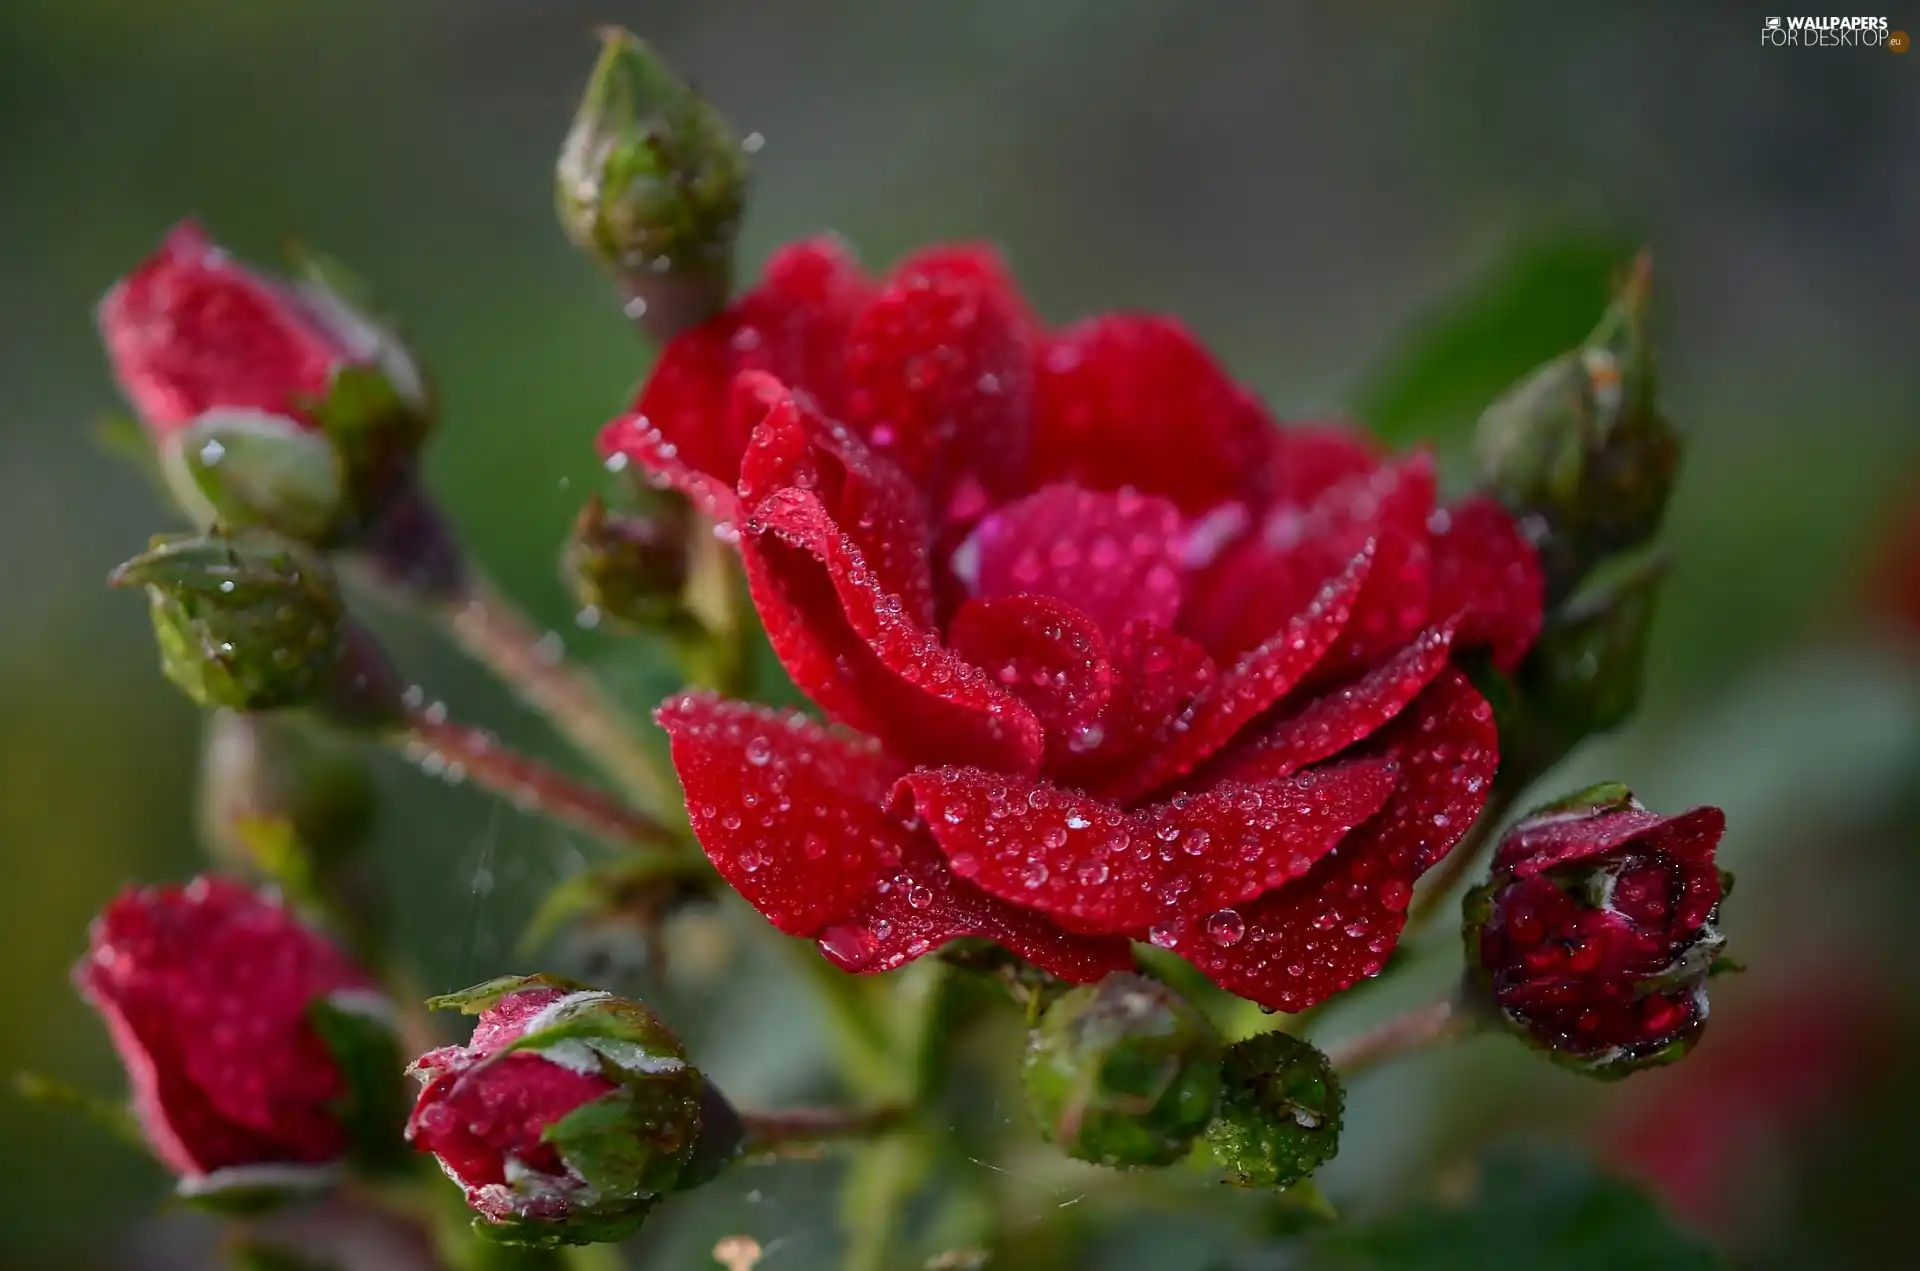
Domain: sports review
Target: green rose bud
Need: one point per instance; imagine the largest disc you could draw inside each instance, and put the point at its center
(1580, 450)
(248, 624)
(1279, 1117)
(1123, 1072)
(651, 181)
(630, 569)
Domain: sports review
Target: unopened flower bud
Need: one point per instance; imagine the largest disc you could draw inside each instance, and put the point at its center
(627, 568)
(1580, 450)
(1279, 1115)
(651, 180)
(1585, 672)
(1595, 936)
(1123, 1072)
(568, 1113)
(260, 1056)
(248, 624)
(273, 403)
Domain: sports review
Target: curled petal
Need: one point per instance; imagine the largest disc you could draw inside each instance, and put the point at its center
(852, 647)
(1094, 867)
(1338, 924)
(1157, 674)
(1689, 839)
(1487, 577)
(632, 441)
(1113, 555)
(923, 906)
(791, 814)
(1043, 651)
(793, 326)
(1259, 679)
(1332, 720)
(939, 373)
(1134, 400)
(869, 499)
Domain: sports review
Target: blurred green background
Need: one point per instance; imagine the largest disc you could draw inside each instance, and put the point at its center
(1373, 209)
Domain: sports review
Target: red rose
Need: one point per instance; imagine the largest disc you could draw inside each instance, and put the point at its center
(209, 991)
(1597, 931)
(1130, 661)
(498, 1112)
(191, 330)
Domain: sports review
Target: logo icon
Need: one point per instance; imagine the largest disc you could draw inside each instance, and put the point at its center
(1773, 24)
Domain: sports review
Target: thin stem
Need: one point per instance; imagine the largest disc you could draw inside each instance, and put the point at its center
(462, 752)
(412, 557)
(801, 1131)
(1405, 1034)
(493, 630)
(1446, 878)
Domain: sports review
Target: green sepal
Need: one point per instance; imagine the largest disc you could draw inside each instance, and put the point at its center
(249, 469)
(373, 1104)
(477, 998)
(115, 1118)
(244, 1191)
(1602, 796)
(633, 1142)
(582, 1229)
(1122, 1073)
(1279, 1112)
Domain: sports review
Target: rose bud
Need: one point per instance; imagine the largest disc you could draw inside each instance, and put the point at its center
(1597, 932)
(627, 568)
(1123, 1072)
(1279, 1114)
(1580, 450)
(651, 182)
(260, 1056)
(568, 1113)
(272, 402)
(243, 623)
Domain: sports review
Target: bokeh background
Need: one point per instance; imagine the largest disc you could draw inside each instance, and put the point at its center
(1373, 209)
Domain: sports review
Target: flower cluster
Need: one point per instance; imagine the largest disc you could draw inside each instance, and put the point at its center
(1125, 660)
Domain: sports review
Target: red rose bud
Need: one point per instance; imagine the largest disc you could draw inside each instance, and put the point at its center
(260, 1056)
(273, 402)
(652, 181)
(627, 568)
(243, 623)
(1597, 932)
(567, 1114)
(1580, 449)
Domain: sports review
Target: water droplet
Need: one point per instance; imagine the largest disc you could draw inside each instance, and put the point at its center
(1163, 935)
(759, 752)
(1225, 928)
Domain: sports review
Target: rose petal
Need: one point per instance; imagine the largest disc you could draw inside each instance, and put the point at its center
(869, 498)
(1156, 675)
(1256, 585)
(1093, 867)
(792, 815)
(1332, 720)
(1486, 575)
(853, 648)
(1114, 556)
(923, 906)
(1043, 651)
(1338, 924)
(1689, 838)
(793, 325)
(474, 1120)
(939, 372)
(1258, 680)
(1134, 400)
(1309, 459)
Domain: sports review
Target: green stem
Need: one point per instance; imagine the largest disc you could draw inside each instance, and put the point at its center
(803, 1131)
(462, 752)
(1406, 1034)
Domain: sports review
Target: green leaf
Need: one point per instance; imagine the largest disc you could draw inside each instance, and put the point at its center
(1535, 302)
(1529, 1209)
(579, 1229)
